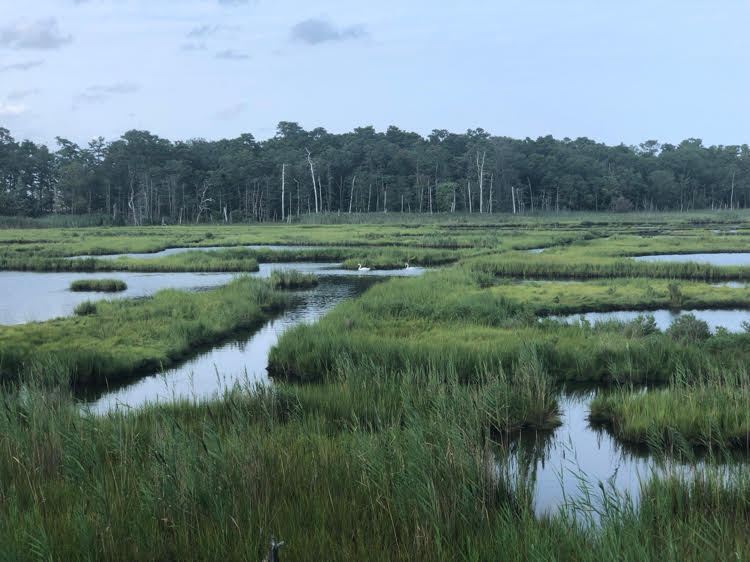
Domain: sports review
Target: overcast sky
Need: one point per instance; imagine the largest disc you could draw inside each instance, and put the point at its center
(612, 70)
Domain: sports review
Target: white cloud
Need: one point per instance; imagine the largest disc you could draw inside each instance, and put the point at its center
(8, 110)
(39, 34)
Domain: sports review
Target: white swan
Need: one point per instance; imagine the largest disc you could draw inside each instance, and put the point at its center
(408, 266)
(360, 268)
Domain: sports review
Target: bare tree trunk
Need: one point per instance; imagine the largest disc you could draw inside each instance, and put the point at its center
(513, 197)
(468, 189)
(369, 197)
(203, 202)
(312, 175)
(480, 174)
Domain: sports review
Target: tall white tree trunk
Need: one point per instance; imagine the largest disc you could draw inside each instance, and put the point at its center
(312, 175)
(480, 175)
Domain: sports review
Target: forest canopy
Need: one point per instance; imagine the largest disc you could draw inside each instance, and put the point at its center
(141, 178)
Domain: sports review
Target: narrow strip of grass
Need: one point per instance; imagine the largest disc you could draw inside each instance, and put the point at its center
(235, 260)
(122, 337)
(100, 285)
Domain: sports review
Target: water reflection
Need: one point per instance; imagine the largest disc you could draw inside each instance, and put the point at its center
(732, 320)
(242, 361)
(725, 258)
(30, 296)
(574, 464)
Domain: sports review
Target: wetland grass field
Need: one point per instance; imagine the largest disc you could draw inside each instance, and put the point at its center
(413, 420)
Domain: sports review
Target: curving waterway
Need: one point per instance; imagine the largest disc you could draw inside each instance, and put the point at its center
(576, 460)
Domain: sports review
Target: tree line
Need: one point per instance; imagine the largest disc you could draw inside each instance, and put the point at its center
(144, 179)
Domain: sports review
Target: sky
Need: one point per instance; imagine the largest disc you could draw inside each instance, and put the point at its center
(611, 70)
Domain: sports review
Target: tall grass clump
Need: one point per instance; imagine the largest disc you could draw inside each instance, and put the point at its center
(292, 279)
(102, 285)
(709, 412)
(85, 308)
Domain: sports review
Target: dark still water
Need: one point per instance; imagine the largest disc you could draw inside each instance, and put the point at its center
(580, 461)
(28, 296)
(732, 320)
(242, 361)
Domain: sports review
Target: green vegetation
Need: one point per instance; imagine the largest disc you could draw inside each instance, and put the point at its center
(121, 338)
(292, 279)
(102, 285)
(413, 395)
(362, 171)
(234, 260)
(406, 455)
(450, 320)
(710, 411)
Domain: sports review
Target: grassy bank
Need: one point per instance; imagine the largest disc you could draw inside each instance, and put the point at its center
(234, 260)
(121, 338)
(101, 285)
(711, 412)
(448, 319)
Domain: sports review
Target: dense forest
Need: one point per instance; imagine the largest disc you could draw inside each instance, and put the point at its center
(144, 179)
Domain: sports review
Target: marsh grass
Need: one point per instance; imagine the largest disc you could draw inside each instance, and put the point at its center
(373, 465)
(122, 338)
(292, 279)
(392, 450)
(710, 412)
(448, 319)
(102, 285)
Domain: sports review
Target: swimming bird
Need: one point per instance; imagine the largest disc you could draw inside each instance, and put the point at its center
(360, 268)
(407, 266)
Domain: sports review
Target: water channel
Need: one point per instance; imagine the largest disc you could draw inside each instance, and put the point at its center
(720, 258)
(732, 320)
(560, 462)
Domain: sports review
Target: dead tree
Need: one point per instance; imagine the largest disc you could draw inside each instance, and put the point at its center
(480, 175)
(312, 175)
(203, 201)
